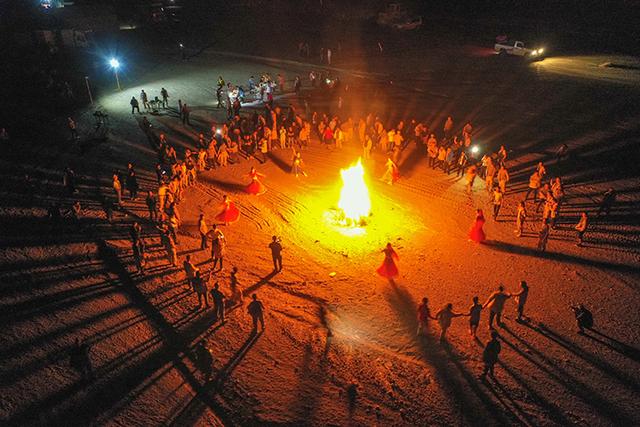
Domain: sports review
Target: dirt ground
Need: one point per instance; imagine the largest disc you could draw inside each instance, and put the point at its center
(340, 344)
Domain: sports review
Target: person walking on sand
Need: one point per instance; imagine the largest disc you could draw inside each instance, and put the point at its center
(521, 300)
(521, 215)
(424, 314)
(236, 289)
(490, 355)
(503, 178)
(472, 172)
(444, 318)
(217, 246)
(498, 195)
(256, 310)
(80, 359)
(200, 285)
(204, 359)
(165, 97)
(608, 199)
(535, 182)
(218, 302)
(190, 271)
(117, 189)
(134, 105)
(581, 227)
(152, 205)
(474, 316)
(543, 237)
(203, 228)
(495, 302)
(276, 253)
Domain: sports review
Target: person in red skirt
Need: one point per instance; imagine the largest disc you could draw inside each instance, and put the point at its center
(388, 268)
(255, 187)
(476, 233)
(229, 213)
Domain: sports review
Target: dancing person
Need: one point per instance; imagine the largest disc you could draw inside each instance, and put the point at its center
(495, 302)
(255, 186)
(444, 318)
(276, 253)
(391, 173)
(474, 316)
(229, 213)
(521, 300)
(490, 355)
(256, 310)
(581, 227)
(388, 268)
(476, 233)
(535, 182)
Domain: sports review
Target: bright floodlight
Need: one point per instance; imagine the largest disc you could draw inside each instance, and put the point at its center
(474, 149)
(114, 63)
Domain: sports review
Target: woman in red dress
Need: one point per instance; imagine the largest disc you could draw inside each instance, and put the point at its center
(476, 233)
(388, 268)
(229, 212)
(255, 187)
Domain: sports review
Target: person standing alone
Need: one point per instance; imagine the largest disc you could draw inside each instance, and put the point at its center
(276, 253)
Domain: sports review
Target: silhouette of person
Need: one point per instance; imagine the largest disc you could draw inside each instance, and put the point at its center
(276, 253)
(80, 359)
(490, 355)
(218, 302)
(584, 318)
(474, 316)
(256, 310)
(204, 359)
(495, 302)
(424, 314)
(444, 317)
(521, 299)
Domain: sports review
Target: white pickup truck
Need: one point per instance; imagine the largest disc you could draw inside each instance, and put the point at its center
(517, 48)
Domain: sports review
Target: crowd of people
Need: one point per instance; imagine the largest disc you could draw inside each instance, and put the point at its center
(257, 133)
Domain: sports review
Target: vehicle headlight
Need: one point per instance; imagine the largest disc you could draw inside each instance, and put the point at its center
(541, 50)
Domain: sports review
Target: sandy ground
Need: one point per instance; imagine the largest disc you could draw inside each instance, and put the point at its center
(340, 346)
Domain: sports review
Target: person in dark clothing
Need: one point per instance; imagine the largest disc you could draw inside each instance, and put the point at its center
(256, 310)
(135, 231)
(134, 105)
(608, 199)
(276, 253)
(185, 114)
(132, 182)
(204, 359)
(490, 355)
(80, 359)
(165, 97)
(584, 318)
(218, 302)
(474, 316)
(152, 205)
(69, 180)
